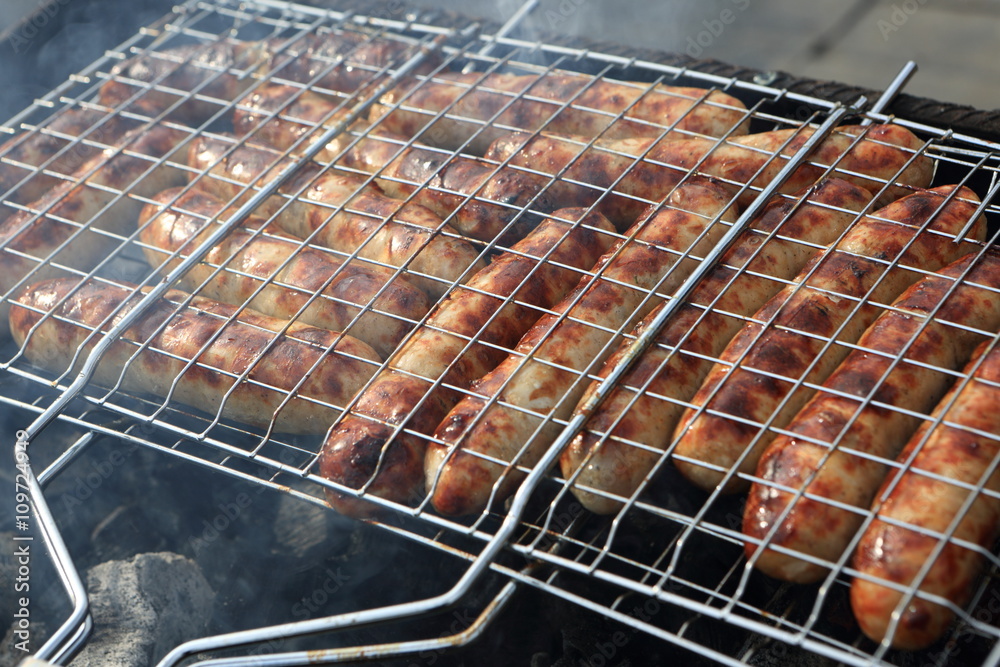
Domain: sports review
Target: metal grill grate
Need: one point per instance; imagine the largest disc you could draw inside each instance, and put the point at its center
(648, 552)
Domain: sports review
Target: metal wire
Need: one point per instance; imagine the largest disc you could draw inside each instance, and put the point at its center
(225, 447)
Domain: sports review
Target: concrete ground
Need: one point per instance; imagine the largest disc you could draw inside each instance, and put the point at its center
(863, 42)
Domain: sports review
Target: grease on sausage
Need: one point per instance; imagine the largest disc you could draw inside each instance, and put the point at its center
(834, 297)
(479, 446)
(464, 337)
(923, 500)
(840, 443)
(197, 353)
(624, 438)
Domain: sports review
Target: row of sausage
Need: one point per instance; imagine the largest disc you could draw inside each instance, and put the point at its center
(495, 292)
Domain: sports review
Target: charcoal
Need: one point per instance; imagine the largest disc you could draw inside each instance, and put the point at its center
(142, 608)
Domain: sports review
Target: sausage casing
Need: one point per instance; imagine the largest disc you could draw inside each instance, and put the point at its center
(196, 352)
(754, 381)
(924, 500)
(290, 274)
(63, 145)
(463, 338)
(544, 375)
(927, 328)
(76, 223)
(146, 83)
(431, 177)
(340, 61)
(409, 109)
(625, 437)
(885, 153)
(342, 213)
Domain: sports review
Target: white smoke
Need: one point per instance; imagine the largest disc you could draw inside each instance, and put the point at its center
(12, 11)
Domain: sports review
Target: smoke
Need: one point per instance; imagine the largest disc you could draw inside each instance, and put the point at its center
(43, 43)
(12, 11)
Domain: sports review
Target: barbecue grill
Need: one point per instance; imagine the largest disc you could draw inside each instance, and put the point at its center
(628, 567)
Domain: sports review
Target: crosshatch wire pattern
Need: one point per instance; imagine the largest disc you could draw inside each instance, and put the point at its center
(678, 522)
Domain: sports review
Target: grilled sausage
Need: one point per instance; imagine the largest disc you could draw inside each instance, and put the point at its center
(189, 83)
(368, 449)
(342, 61)
(433, 178)
(72, 225)
(625, 437)
(197, 352)
(784, 342)
(345, 215)
(921, 509)
(281, 116)
(290, 274)
(839, 441)
(881, 155)
(49, 148)
(544, 375)
(534, 102)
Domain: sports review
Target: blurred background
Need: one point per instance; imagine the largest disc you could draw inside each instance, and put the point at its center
(859, 42)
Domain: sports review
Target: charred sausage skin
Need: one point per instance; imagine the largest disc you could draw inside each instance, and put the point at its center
(220, 71)
(882, 154)
(784, 342)
(197, 352)
(368, 449)
(341, 212)
(929, 329)
(430, 177)
(543, 375)
(291, 274)
(144, 83)
(49, 147)
(75, 223)
(624, 437)
(919, 509)
(535, 103)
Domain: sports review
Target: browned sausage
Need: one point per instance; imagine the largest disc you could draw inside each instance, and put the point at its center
(431, 177)
(831, 455)
(344, 214)
(194, 82)
(341, 61)
(162, 82)
(197, 352)
(834, 296)
(367, 449)
(881, 156)
(535, 103)
(625, 437)
(62, 145)
(291, 274)
(281, 116)
(926, 499)
(496, 424)
(65, 226)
